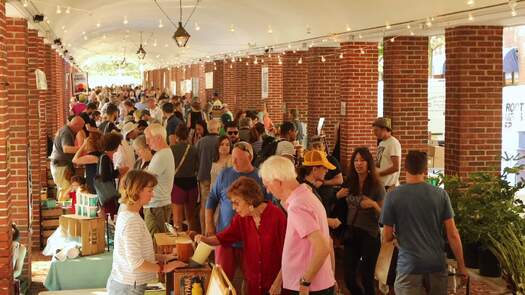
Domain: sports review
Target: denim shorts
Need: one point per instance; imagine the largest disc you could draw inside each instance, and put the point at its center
(415, 284)
(115, 288)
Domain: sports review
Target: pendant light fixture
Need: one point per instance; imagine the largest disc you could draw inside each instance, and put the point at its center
(181, 36)
(141, 53)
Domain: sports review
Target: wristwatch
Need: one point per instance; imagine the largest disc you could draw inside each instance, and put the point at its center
(303, 282)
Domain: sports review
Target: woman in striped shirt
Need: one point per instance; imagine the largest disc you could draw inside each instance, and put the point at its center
(134, 261)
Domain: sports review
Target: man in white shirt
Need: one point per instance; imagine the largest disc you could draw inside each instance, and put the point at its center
(125, 155)
(158, 211)
(154, 110)
(388, 159)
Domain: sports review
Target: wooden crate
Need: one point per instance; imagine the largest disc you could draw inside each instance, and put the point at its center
(51, 213)
(182, 279)
(90, 230)
(50, 223)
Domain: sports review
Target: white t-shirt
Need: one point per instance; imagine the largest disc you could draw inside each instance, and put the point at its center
(162, 165)
(388, 148)
(125, 156)
(156, 114)
(133, 246)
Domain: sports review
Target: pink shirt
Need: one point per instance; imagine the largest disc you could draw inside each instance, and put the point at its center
(306, 215)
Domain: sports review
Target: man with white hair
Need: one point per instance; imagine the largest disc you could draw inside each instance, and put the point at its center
(207, 151)
(162, 165)
(306, 266)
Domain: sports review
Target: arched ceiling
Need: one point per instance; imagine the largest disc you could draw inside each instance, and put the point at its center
(94, 30)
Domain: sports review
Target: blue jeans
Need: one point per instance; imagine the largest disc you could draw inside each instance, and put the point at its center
(115, 288)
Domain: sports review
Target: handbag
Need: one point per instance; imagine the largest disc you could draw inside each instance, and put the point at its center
(106, 190)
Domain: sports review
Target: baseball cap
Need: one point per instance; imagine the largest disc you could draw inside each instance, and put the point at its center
(285, 148)
(317, 158)
(383, 122)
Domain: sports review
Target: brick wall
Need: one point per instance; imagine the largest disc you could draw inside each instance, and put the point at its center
(295, 84)
(63, 102)
(18, 104)
(406, 91)
(6, 269)
(252, 99)
(229, 85)
(473, 100)
(323, 90)
(51, 102)
(218, 77)
(359, 76)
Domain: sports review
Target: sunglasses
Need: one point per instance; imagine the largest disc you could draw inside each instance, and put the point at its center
(233, 132)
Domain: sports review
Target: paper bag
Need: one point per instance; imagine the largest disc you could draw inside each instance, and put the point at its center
(383, 262)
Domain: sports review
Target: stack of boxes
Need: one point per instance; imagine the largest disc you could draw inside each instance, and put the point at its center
(86, 205)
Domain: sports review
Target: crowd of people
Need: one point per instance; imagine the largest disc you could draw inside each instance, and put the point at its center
(272, 200)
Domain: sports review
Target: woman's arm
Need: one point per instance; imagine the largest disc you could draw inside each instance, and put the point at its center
(212, 241)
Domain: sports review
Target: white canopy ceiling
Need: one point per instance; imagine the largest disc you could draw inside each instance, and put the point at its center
(94, 31)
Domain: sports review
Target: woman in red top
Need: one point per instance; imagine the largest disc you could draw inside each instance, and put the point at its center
(261, 226)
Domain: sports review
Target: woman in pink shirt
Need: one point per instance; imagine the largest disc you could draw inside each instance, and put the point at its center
(306, 264)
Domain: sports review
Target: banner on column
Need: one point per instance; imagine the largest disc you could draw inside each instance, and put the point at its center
(188, 87)
(513, 125)
(195, 86)
(80, 82)
(174, 87)
(209, 80)
(41, 81)
(183, 87)
(264, 82)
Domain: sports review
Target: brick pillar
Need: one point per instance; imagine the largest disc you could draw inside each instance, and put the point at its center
(323, 90)
(6, 268)
(295, 84)
(234, 77)
(274, 102)
(253, 98)
(51, 102)
(473, 112)
(218, 79)
(359, 76)
(62, 104)
(37, 140)
(406, 92)
(18, 104)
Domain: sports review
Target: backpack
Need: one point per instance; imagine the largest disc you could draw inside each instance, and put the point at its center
(269, 147)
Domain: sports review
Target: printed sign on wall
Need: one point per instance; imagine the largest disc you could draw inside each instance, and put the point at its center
(80, 83)
(209, 80)
(264, 82)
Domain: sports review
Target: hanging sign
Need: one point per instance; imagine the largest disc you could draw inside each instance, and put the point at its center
(195, 86)
(80, 83)
(188, 87)
(264, 82)
(209, 80)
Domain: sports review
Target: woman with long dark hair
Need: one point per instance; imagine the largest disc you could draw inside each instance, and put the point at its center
(359, 208)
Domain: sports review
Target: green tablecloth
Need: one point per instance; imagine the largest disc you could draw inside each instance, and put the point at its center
(82, 273)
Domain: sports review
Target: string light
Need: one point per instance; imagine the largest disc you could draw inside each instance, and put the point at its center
(160, 24)
(231, 66)
(388, 26)
(98, 24)
(232, 28)
(197, 27)
(85, 37)
(104, 36)
(393, 39)
(247, 63)
(83, 32)
(470, 17)
(59, 11)
(513, 12)
(408, 26)
(155, 43)
(68, 10)
(360, 36)
(300, 61)
(470, 2)
(24, 3)
(412, 33)
(323, 59)
(428, 22)
(125, 21)
(270, 31)
(341, 55)
(280, 61)
(348, 28)
(361, 50)
(255, 61)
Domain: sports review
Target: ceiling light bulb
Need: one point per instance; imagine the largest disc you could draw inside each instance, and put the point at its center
(311, 45)
(232, 28)
(85, 37)
(246, 63)
(393, 39)
(412, 33)
(255, 61)
(125, 21)
(388, 26)
(65, 31)
(83, 32)
(63, 27)
(470, 17)
(160, 24)
(270, 31)
(197, 27)
(513, 12)
(166, 45)
(155, 43)
(280, 61)
(59, 11)
(68, 10)
(104, 36)
(348, 29)
(98, 25)
(24, 3)
(231, 66)
(428, 23)
(323, 59)
(408, 26)
(300, 60)
(341, 55)
(360, 36)
(361, 50)
(470, 2)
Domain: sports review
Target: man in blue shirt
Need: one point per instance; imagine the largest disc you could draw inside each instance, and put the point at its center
(418, 212)
(229, 257)
(168, 112)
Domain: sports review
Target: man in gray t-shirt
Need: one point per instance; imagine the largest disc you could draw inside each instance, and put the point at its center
(418, 212)
(62, 155)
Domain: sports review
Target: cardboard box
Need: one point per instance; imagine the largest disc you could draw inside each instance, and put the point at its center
(182, 278)
(90, 231)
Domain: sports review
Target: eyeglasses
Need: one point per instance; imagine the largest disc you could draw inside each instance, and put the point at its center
(233, 132)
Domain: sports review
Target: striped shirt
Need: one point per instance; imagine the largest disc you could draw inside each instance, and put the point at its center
(133, 246)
